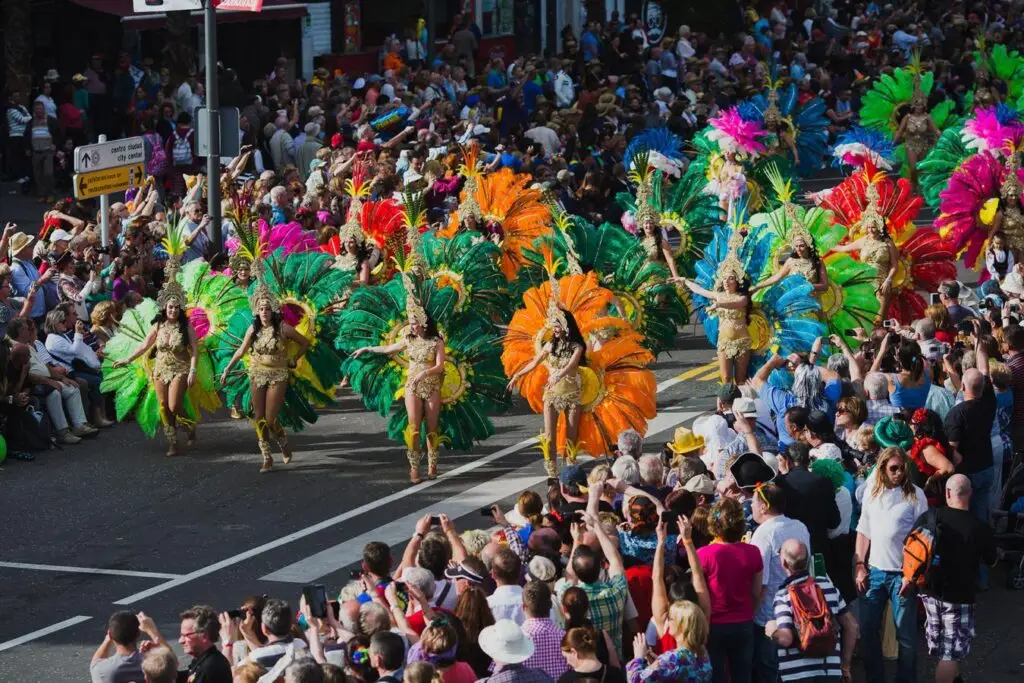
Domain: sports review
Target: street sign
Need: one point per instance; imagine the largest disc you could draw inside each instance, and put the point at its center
(111, 154)
(166, 5)
(240, 5)
(230, 142)
(107, 181)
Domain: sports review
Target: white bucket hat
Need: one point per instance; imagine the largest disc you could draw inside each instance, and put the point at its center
(505, 643)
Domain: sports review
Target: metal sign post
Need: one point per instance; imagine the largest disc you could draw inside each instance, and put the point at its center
(213, 125)
(104, 211)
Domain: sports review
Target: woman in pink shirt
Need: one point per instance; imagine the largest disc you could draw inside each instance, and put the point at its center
(733, 570)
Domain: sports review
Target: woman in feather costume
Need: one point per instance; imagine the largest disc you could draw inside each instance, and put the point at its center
(270, 369)
(805, 258)
(177, 353)
(876, 248)
(424, 348)
(917, 129)
(615, 392)
(739, 141)
(731, 301)
(796, 132)
(1009, 218)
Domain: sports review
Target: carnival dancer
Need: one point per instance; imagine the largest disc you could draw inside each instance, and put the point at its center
(876, 249)
(270, 369)
(917, 129)
(778, 138)
(731, 301)
(562, 356)
(1009, 218)
(424, 348)
(177, 352)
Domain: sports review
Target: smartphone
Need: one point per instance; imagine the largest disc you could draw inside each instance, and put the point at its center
(487, 512)
(886, 323)
(355, 575)
(435, 521)
(316, 598)
(236, 614)
(552, 481)
(335, 607)
(669, 517)
(933, 298)
(850, 333)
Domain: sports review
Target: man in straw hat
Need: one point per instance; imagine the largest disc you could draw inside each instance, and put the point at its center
(26, 281)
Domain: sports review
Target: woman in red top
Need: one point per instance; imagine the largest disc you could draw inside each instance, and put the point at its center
(930, 453)
(944, 330)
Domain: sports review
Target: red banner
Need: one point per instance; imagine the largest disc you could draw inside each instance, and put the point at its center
(241, 5)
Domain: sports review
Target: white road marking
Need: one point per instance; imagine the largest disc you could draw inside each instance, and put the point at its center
(466, 502)
(35, 635)
(87, 570)
(363, 509)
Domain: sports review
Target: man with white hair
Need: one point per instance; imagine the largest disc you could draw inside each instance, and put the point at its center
(924, 331)
(630, 443)
(281, 144)
(652, 475)
(876, 388)
(963, 544)
(305, 154)
(625, 468)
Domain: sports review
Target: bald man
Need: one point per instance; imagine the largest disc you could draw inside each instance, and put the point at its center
(968, 428)
(964, 543)
(794, 664)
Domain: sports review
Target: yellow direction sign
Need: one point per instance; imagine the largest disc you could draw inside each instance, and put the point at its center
(108, 181)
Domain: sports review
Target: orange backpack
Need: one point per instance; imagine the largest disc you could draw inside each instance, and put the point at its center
(812, 618)
(920, 551)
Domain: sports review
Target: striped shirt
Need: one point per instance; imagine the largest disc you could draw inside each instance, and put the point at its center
(17, 118)
(793, 664)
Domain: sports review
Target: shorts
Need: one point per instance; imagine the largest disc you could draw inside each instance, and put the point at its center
(949, 628)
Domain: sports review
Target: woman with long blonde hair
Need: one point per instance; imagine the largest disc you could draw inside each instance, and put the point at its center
(689, 661)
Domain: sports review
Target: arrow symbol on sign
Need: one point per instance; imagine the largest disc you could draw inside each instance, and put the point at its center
(85, 160)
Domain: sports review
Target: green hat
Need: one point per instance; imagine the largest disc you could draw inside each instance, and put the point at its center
(891, 432)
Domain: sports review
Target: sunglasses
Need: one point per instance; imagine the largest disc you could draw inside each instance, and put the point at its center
(894, 468)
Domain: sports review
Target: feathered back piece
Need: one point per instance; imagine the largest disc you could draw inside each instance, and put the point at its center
(563, 224)
(655, 149)
(918, 98)
(732, 265)
(414, 214)
(784, 192)
(470, 168)
(555, 315)
(641, 175)
(262, 292)
(358, 189)
(175, 244)
(772, 115)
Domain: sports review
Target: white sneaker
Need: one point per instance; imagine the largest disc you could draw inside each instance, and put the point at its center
(67, 438)
(84, 429)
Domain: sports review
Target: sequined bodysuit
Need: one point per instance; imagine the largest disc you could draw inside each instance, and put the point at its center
(268, 363)
(565, 393)
(733, 333)
(171, 360)
(422, 354)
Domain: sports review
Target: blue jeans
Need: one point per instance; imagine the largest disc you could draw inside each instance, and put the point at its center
(981, 502)
(766, 657)
(732, 643)
(885, 587)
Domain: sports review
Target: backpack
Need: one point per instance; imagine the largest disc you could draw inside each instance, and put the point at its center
(181, 152)
(812, 618)
(921, 551)
(157, 164)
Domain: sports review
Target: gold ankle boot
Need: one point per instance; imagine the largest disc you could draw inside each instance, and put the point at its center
(171, 433)
(550, 465)
(434, 442)
(264, 445)
(282, 441)
(413, 452)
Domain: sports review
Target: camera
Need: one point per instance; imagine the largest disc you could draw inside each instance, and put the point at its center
(236, 614)
(487, 512)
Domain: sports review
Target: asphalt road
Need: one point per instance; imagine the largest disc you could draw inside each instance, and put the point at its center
(113, 524)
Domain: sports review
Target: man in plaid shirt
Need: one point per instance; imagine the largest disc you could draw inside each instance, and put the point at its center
(876, 388)
(545, 634)
(607, 598)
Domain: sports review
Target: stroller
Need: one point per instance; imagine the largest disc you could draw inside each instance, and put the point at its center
(1009, 527)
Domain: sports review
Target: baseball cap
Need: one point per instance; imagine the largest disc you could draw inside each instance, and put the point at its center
(59, 234)
(460, 571)
(573, 474)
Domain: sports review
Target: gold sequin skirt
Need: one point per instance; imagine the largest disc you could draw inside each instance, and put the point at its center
(733, 341)
(564, 394)
(167, 367)
(426, 387)
(263, 375)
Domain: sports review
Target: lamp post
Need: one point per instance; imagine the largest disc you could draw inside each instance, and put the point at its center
(213, 126)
